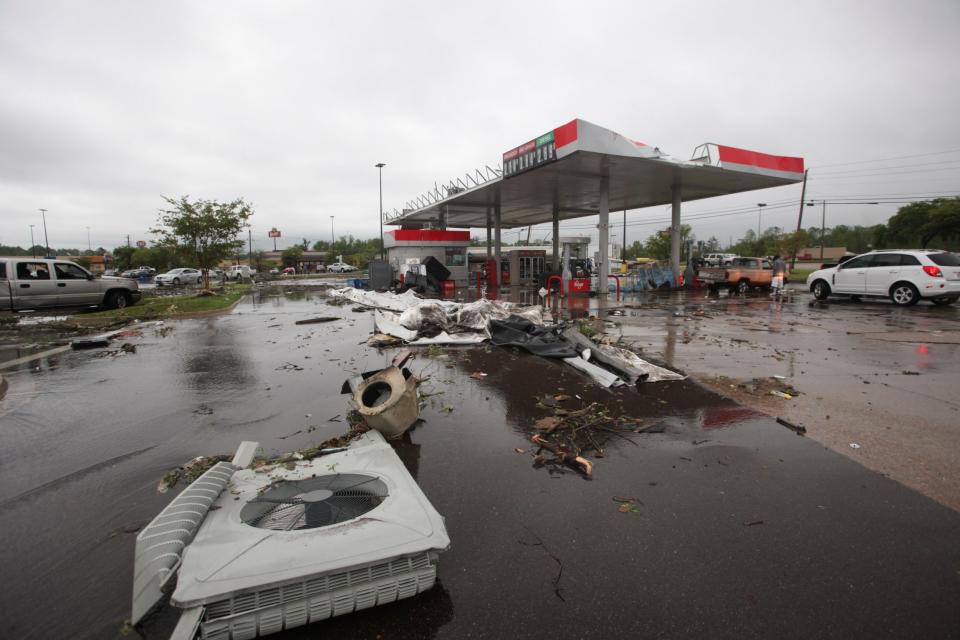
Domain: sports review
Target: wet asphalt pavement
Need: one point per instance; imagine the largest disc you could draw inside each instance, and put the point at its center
(744, 529)
(871, 374)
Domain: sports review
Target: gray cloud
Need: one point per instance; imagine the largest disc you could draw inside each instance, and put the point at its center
(108, 105)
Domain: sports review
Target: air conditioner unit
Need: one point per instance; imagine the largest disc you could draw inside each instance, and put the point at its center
(258, 552)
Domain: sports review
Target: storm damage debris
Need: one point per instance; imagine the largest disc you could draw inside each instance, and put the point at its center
(316, 320)
(193, 469)
(189, 471)
(386, 399)
(419, 321)
(608, 366)
(570, 435)
(799, 429)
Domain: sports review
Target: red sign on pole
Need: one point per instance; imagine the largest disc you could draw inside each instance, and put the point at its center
(273, 233)
(141, 243)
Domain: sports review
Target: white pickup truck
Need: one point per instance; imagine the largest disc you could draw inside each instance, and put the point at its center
(35, 283)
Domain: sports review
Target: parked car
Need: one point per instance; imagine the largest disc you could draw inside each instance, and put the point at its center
(906, 276)
(179, 276)
(740, 276)
(140, 273)
(289, 271)
(341, 267)
(32, 283)
(111, 273)
(239, 271)
(321, 268)
(215, 274)
(275, 271)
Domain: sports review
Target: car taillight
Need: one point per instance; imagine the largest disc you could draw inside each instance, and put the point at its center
(933, 272)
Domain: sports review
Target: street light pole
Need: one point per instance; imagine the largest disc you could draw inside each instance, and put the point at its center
(46, 240)
(89, 248)
(32, 243)
(760, 206)
(380, 166)
(331, 235)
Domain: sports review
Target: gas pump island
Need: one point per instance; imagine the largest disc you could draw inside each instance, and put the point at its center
(577, 170)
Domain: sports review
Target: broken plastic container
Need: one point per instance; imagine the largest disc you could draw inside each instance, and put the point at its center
(387, 401)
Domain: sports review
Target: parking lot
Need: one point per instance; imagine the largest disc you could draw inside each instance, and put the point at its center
(869, 373)
(741, 527)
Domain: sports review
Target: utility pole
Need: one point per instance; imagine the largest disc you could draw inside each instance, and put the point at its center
(128, 239)
(803, 194)
(32, 243)
(88, 241)
(249, 247)
(623, 250)
(46, 239)
(760, 206)
(823, 228)
(331, 235)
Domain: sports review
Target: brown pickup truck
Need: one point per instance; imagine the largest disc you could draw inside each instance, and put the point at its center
(741, 276)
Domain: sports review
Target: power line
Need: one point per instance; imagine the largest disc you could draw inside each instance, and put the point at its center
(895, 166)
(918, 155)
(752, 210)
(891, 173)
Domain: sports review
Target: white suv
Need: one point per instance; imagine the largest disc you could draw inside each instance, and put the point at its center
(904, 275)
(719, 259)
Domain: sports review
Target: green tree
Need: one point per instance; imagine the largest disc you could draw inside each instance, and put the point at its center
(907, 227)
(259, 261)
(789, 244)
(658, 245)
(636, 250)
(290, 256)
(123, 257)
(944, 222)
(208, 229)
(163, 257)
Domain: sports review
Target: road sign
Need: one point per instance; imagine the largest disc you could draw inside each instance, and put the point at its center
(273, 233)
(141, 243)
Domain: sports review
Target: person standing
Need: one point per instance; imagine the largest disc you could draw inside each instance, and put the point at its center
(779, 274)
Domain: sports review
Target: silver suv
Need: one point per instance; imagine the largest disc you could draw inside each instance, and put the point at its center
(33, 283)
(906, 276)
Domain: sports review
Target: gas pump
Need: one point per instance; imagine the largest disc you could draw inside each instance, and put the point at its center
(575, 268)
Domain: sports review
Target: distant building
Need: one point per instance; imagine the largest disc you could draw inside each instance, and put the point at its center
(830, 254)
(308, 262)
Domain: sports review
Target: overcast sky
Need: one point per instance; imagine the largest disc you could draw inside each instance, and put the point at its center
(106, 106)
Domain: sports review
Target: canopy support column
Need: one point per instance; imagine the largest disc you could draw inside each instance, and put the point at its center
(604, 230)
(675, 234)
(496, 247)
(556, 236)
(489, 224)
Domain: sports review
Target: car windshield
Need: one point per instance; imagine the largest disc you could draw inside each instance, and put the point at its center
(945, 259)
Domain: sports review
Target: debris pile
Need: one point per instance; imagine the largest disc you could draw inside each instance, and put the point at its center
(189, 471)
(568, 436)
(196, 467)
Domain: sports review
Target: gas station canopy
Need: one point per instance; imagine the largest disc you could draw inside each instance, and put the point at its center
(563, 172)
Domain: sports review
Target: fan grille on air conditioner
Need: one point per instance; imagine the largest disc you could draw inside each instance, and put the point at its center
(314, 502)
